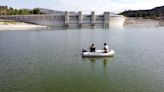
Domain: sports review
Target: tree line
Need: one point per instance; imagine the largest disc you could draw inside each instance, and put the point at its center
(5, 10)
(152, 13)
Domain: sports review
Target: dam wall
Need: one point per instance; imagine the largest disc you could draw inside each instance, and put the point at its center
(70, 20)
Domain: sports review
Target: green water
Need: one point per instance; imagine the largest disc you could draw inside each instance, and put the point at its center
(50, 60)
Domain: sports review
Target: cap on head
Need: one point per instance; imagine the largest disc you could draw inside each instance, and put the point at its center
(104, 43)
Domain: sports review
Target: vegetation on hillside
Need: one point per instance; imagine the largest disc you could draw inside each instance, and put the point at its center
(152, 13)
(5, 10)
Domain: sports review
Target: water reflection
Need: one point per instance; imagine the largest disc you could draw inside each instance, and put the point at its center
(93, 60)
(99, 64)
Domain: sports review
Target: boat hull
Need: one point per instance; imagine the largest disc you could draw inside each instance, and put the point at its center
(98, 53)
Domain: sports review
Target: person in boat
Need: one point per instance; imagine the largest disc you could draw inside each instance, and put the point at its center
(106, 48)
(92, 48)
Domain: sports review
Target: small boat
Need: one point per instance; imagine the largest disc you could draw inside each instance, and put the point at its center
(97, 53)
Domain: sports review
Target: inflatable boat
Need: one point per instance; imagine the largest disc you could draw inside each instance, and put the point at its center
(98, 53)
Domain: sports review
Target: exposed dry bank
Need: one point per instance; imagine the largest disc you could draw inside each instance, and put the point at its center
(13, 25)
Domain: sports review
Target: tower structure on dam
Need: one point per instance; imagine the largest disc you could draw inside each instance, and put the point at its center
(71, 19)
(80, 17)
(93, 19)
(106, 19)
(66, 17)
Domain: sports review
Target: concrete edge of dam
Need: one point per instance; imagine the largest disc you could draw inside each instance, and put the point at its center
(71, 20)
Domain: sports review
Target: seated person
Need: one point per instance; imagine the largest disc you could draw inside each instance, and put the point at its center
(92, 48)
(106, 48)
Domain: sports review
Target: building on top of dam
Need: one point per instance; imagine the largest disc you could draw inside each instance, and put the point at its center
(71, 20)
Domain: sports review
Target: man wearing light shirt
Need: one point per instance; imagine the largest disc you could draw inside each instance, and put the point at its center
(106, 48)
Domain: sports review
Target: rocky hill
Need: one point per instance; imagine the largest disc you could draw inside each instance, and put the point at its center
(156, 12)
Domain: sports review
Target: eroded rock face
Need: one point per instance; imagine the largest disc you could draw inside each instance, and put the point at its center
(143, 22)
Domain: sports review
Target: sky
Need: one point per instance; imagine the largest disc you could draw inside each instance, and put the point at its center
(86, 6)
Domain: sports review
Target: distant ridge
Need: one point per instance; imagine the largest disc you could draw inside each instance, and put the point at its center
(50, 11)
(6, 10)
(151, 13)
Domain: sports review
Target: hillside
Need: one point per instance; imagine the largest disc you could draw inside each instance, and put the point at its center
(156, 12)
(5, 10)
(50, 11)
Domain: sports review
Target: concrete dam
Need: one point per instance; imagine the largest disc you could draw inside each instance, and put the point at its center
(70, 20)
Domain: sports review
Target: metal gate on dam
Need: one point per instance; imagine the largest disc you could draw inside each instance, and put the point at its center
(70, 20)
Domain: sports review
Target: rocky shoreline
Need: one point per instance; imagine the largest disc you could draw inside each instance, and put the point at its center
(143, 22)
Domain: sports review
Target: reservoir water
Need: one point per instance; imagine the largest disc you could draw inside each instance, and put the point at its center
(50, 60)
